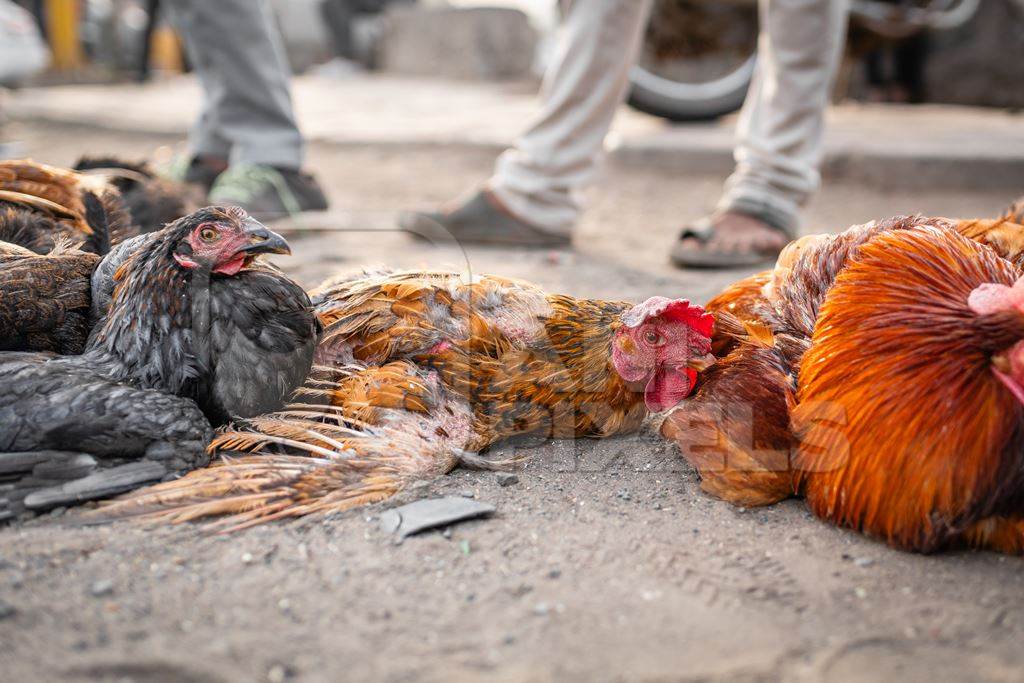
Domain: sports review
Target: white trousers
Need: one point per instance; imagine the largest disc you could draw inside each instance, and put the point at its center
(237, 53)
(779, 134)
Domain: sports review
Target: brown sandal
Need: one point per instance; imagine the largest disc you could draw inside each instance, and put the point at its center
(682, 256)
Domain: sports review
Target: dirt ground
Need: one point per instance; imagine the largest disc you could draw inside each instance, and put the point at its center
(604, 562)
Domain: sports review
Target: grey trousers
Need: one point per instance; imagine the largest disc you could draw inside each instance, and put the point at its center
(237, 53)
(779, 134)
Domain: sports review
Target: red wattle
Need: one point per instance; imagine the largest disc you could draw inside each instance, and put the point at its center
(231, 267)
(667, 388)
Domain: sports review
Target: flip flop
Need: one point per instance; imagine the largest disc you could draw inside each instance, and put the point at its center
(703, 230)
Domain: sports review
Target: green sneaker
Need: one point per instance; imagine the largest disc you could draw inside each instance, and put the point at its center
(268, 193)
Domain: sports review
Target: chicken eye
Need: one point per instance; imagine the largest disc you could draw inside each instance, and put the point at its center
(652, 338)
(209, 234)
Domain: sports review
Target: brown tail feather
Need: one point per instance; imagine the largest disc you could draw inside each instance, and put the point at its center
(303, 460)
(254, 489)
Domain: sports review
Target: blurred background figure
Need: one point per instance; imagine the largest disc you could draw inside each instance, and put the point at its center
(895, 70)
(22, 52)
(453, 66)
(894, 61)
(533, 198)
(341, 18)
(246, 148)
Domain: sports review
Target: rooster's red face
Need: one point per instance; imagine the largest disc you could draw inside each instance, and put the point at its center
(662, 345)
(990, 299)
(225, 240)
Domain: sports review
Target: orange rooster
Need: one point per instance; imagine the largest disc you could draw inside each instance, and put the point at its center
(418, 372)
(878, 373)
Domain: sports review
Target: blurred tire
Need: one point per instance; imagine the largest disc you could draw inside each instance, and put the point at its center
(697, 59)
(677, 101)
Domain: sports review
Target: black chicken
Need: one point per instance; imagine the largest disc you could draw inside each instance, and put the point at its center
(194, 333)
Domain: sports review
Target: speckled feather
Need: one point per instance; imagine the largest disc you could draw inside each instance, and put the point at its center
(45, 300)
(417, 372)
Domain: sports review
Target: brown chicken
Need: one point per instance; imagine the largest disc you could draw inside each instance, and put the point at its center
(150, 200)
(45, 300)
(866, 374)
(418, 372)
(40, 203)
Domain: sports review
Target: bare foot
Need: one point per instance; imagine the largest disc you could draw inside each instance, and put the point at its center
(738, 233)
(735, 239)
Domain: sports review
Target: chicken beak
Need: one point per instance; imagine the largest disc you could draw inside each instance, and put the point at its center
(263, 240)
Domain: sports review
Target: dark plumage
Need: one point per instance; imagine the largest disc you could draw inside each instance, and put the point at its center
(45, 300)
(151, 201)
(40, 203)
(194, 333)
(69, 434)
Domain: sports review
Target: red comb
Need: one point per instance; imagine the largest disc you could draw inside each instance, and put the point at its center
(680, 310)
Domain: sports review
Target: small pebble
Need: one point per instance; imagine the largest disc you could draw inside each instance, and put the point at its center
(467, 493)
(247, 558)
(507, 479)
(863, 561)
(521, 590)
(101, 588)
(279, 673)
(542, 609)
(555, 573)
(7, 610)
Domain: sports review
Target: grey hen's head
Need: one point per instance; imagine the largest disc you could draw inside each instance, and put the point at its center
(151, 297)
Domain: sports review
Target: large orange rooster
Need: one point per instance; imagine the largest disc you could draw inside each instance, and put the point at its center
(418, 372)
(878, 373)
